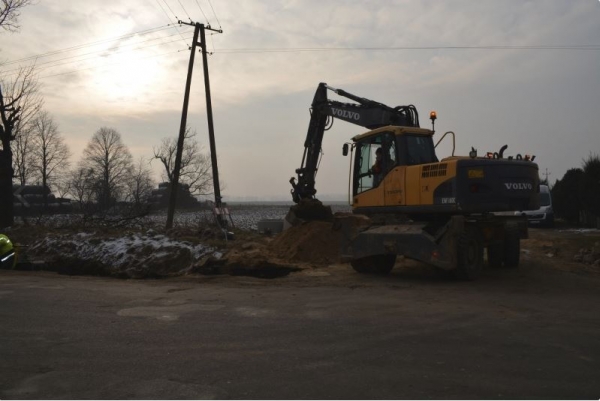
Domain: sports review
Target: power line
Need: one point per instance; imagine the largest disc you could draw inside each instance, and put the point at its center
(213, 10)
(184, 10)
(169, 18)
(299, 49)
(109, 64)
(284, 50)
(169, 7)
(77, 47)
(325, 49)
(202, 11)
(163, 10)
(56, 63)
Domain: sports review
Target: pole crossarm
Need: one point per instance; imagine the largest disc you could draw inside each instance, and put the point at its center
(206, 27)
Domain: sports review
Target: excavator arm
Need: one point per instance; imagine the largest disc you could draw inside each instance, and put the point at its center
(365, 113)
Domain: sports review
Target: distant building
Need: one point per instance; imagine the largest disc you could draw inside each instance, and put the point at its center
(29, 200)
(159, 199)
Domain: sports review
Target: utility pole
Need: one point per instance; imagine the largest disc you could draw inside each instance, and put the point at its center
(199, 29)
(547, 174)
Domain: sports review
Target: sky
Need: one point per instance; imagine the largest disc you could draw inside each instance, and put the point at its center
(522, 73)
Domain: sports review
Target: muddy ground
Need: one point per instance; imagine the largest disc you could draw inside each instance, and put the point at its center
(310, 249)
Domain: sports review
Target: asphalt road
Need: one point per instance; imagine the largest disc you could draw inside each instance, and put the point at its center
(311, 335)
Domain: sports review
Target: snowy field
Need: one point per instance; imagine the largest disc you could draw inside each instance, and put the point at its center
(247, 216)
(244, 216)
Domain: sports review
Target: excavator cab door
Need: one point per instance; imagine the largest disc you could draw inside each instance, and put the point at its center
(375, 157)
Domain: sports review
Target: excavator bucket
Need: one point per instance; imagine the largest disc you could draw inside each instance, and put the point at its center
(307, 210)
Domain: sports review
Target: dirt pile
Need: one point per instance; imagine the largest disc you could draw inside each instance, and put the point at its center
(313, 242)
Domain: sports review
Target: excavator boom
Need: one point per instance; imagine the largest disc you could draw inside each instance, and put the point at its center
(365, 113)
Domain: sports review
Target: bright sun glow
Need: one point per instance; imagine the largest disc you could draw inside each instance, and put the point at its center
(126, 76)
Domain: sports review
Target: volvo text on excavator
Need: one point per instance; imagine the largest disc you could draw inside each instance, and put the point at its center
(407, 202)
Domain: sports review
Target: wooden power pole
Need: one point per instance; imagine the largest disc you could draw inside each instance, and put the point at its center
(199, 30)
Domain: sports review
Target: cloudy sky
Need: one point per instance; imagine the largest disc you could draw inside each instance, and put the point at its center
(525, 73)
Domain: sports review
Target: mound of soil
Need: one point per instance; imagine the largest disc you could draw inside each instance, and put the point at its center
(313, 242)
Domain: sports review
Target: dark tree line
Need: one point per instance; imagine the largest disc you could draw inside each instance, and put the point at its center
(576, 197)
(13, 95)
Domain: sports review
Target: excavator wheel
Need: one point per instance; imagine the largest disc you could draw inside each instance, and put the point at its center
(469, 254)
(378, 264)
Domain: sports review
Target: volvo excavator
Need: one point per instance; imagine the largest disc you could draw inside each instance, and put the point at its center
(405, 201)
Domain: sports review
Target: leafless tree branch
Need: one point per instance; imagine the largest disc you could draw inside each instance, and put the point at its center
(10, 11)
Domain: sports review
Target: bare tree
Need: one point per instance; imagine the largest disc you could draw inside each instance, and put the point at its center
(195, 165)
(19, 100)
(30, 106)
(62, 184)
(140, 184)
(22, 156)
(51, 154)
(109, 158)
(10, 11)
(81, 185)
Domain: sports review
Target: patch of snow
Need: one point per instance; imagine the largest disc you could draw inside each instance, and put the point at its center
(132, 251)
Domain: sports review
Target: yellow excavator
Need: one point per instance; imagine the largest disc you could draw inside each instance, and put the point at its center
(407, 202)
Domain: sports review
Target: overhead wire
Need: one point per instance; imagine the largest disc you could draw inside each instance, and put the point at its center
(213, 10)
(106, 65)
(78, 58)
(212, 42)
(163, 10)
(77, 47)
(326, 49)
(202, 11)
(170, 9)
(56, 63)
(184, 10)
(169, 18)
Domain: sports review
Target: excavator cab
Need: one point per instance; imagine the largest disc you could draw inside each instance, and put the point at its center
(380, 162)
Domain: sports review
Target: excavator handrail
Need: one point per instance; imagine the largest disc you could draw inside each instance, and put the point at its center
(453, 141)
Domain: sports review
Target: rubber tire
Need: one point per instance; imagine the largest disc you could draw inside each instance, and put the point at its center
(378, 264)
(495, 254)
(512, 248)
(469, 255)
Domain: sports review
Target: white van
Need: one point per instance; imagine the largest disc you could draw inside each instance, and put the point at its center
(544, 216)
